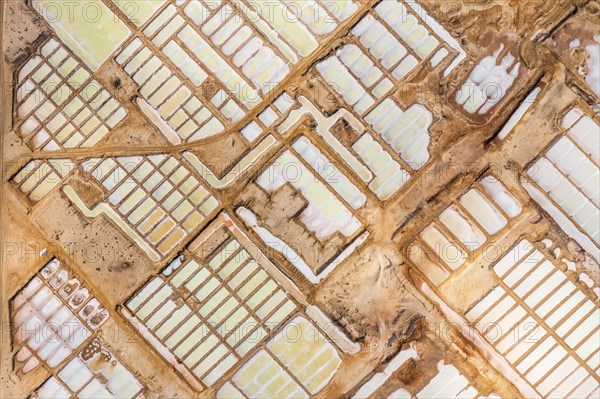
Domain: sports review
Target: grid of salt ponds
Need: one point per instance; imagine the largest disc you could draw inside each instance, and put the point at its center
(228, 35)
(204, 38)
(52, 316)
(407, 132)
(389, 176)
(267, 118)
(568, 173)
(195, 120)
(308, 170)
(385, 46)
(321, 16)
(472, 220)
(447, 383)
(295, 27)
(542, 324)
(59, 103)
(297, 363)
(217, 43)
(210, 308)
(166, 92)
(157, 195)
(94, 373)
(489, 82)
(379, 170)
(38, 177)
(354, 76)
